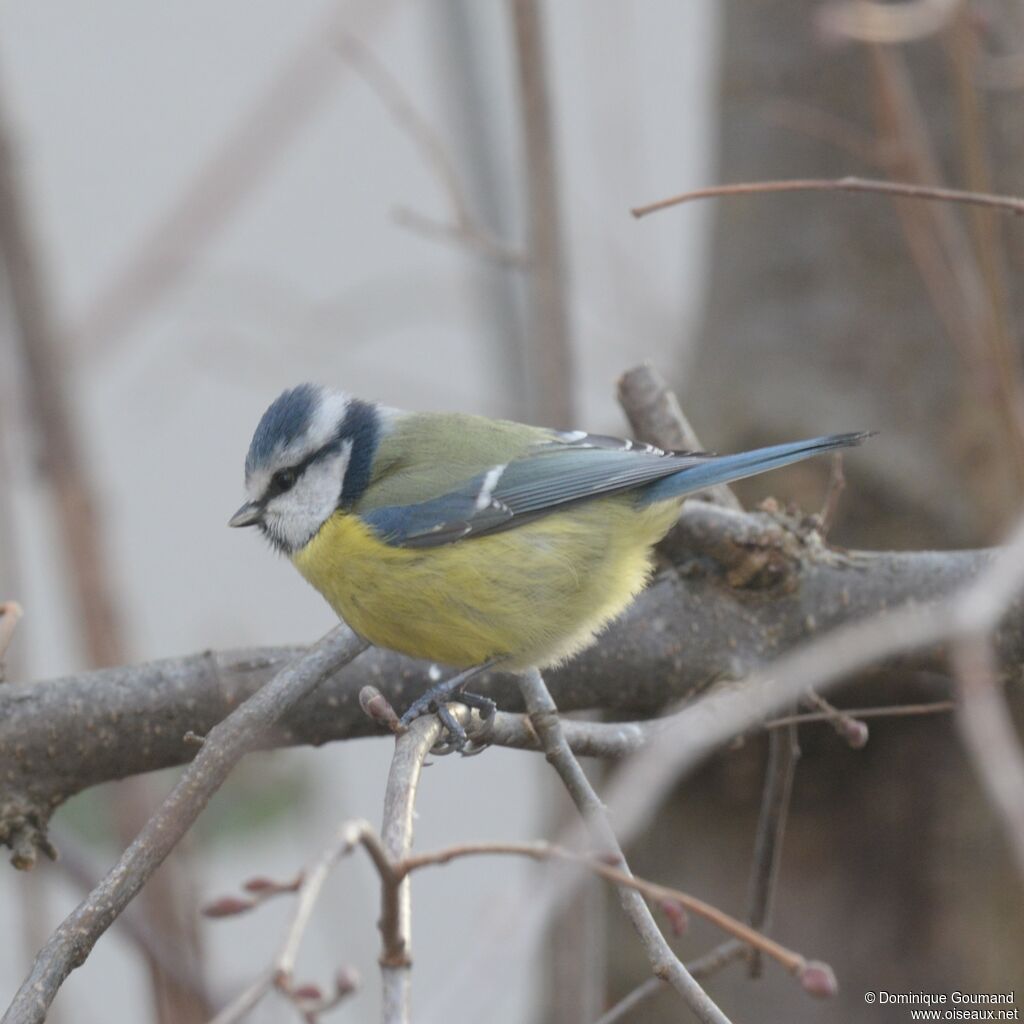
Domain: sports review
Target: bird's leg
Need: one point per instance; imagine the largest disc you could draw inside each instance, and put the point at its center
(435, 699)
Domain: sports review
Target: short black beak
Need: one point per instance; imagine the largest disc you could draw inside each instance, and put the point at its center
(248, 515)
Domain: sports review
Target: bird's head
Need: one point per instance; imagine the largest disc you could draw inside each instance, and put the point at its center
(312, 454)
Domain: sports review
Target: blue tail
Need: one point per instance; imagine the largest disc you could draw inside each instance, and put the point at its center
(721, 469)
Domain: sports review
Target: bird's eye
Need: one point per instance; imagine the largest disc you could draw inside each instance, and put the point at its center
(283, 480)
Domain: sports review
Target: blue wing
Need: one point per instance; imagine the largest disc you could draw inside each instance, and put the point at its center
(571, 468)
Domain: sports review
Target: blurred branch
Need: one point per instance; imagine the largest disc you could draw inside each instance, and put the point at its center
(986, 727)
(906, 190)
(226, 743)
(723, 622)
(893, 711)
(41, 355)
(88, 571)
(868, 21)
(10, 615)
(664, 963)
(464, 228)
(411, 750)
(223, 183)
(548, 336)
(752, 585)
(984, 607)
(783, 754)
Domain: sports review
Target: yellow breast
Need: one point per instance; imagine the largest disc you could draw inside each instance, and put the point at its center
(533, 595)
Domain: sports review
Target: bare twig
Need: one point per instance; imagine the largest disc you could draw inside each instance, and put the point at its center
(715, 959)
(464, 228)
(847, 726)
(707, 723)
(893, 711)
(548, 337)
(46, 378)
(224, 181)
(676, 639)
(631, 1000)
(783, 754)
(833, 492)
(10, 614)
(905, 190)
(620, 876)
(240, 733)
(247, 1000)
(46, 374)
(411, 750)
(394, 874)
(703, 967)
(664, 962)
(158, 947)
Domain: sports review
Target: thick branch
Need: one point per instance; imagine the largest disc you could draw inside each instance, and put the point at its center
(745, 589)
(72, 942)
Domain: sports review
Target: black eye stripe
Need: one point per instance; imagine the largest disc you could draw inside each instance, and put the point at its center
(360, 428)
(278, 485)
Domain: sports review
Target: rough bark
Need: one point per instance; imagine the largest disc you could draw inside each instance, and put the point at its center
(741, 589)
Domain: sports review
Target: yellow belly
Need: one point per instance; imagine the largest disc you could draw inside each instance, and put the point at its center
(532, 596)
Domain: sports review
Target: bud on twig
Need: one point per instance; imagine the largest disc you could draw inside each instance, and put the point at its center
(375, 705)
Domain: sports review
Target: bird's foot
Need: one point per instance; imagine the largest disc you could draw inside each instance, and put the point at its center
(437, 699)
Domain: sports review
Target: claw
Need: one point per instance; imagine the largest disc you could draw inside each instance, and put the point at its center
(457, 737)
(435, 701)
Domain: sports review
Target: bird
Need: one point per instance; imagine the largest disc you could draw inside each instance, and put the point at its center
(467, 541)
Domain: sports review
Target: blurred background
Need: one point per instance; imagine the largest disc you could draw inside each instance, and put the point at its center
(220, 200)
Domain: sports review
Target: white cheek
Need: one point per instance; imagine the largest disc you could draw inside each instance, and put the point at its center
(299, 514)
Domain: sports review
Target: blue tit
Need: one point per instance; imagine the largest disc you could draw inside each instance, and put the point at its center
(470, 541)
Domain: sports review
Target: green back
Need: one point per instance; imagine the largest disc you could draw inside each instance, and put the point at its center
(427, 454)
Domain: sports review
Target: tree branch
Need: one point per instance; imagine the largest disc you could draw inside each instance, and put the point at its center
(900, 189)
(664, 963)
(744, 589)
(548, 338)
(237, 735)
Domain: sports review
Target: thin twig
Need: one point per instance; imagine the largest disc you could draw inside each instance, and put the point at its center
(246, 1000)
(79, 869)
(10, 615)
(705, 724)
(664, 962)
(644, 991)
(223, 182)
(894, 711)
(906, 190)
(394, 874)
(548, 338)
(238, 734)
(675, 639)
(833, 492)
(411, 750)
(703, 967)
(715, 959)
(846, 726)
(783, 754)
(586, 739)
(98, 621)
(619, 876)
(464, 228)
